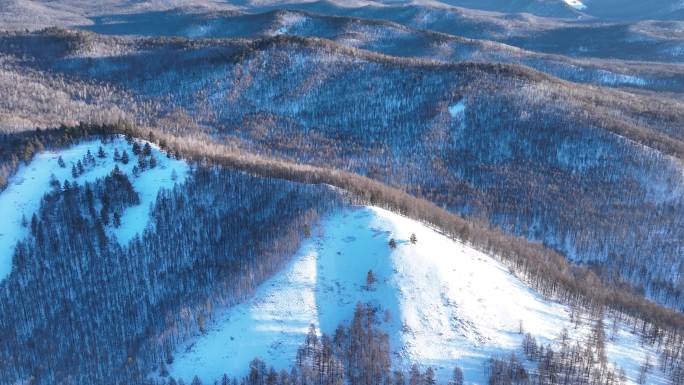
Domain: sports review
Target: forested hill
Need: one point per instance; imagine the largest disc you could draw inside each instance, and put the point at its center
(187, 184)
(84, 304)
(77, 56)
(590, 172)
(224, 264)
(624, 60)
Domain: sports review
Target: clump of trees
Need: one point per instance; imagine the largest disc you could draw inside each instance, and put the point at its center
(355, 354)
(17, 148)
(567, 362)
(359, 354)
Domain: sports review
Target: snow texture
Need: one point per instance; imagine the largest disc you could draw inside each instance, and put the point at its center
(447, 304)
(22, 197)
(578, 5)
(456, 110)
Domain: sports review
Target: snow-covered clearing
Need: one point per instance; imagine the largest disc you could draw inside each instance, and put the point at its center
(22, 197)
(448, 304)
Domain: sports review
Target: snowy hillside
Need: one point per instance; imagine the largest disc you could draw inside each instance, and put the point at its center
(22, 197)
(444, 304)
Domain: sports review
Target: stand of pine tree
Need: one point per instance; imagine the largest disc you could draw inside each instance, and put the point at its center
(80, 308)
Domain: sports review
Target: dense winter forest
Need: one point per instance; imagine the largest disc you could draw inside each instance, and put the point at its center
(80, 308)
(546, 135)
(598, 182)
(222, 201)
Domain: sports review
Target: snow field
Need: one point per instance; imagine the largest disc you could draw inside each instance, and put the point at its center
(442, 303)
(22, 197)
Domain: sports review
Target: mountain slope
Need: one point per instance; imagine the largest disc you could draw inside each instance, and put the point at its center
(633, 40)
(623, 38)
(601, 9)
(121, 256)
(537, 156)
(441, 302)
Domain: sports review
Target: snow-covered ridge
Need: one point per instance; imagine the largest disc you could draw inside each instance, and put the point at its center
(22, 197)
(447, 304)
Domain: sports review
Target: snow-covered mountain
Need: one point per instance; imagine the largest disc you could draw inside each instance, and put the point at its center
(192, 189)
(442, 302)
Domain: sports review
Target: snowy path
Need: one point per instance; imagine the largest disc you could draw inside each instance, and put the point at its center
(27, 187)
(448, 303)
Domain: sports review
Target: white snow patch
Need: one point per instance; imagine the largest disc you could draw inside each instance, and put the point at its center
(626, 350)
(456, 110)
(27, 187)
(449, 303)
(198, 31)
(148, 184)
(577, 4)
(288, 21)
(676, 51)
(611, 78)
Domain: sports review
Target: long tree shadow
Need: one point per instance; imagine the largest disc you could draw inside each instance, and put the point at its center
(351, 248)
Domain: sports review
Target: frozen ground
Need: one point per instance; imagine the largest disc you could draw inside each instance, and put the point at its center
(447, 303)
(22, 196)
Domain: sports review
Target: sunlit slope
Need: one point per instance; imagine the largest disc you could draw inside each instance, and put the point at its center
(442, 303)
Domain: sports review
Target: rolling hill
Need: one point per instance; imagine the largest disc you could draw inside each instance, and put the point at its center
(542, 158)
(267, 192)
